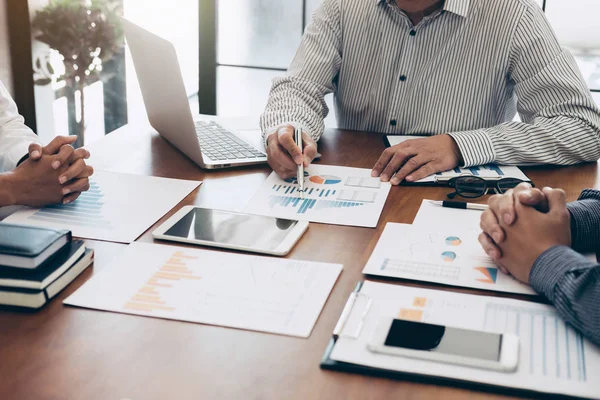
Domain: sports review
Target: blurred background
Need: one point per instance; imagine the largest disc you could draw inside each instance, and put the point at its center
(229, 51)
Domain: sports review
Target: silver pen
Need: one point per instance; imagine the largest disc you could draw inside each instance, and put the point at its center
(300, 177)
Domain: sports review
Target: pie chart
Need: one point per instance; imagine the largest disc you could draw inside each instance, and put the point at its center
(325, 179)
(294, 180)
(448, 256)
(453, 241)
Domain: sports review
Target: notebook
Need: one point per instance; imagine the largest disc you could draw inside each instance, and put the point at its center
(23, 246)
(34, 298)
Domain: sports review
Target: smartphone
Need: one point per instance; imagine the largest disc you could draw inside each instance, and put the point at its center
(232, 230)
(445, 344)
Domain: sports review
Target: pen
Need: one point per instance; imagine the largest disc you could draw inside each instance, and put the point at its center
(300, 177)
(461, 205)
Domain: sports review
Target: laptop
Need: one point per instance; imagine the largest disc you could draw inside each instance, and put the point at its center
(208, 143)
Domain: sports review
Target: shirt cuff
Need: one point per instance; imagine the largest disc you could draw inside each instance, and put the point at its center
(475, 147)
(551, 266)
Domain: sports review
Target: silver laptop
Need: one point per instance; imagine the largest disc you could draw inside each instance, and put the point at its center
(208, 143)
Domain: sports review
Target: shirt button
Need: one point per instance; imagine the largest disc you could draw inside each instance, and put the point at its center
(393, 122)
(413, 32)
(402, 78)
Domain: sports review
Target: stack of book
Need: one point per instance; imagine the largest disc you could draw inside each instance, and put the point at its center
(37, 263)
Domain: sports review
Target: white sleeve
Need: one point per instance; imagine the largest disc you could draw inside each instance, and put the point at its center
(15, 136)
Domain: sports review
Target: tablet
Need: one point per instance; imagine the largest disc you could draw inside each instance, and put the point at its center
(232, 230)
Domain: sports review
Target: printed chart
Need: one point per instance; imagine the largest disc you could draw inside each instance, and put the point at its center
(334, 195)
(87, 211)
(453, 257)
(118, 207)
(268, 294)
(553, 357)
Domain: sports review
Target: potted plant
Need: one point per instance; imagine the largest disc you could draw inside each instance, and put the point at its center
(85, 34)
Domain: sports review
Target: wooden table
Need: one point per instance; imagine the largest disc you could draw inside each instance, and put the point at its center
(70, 353)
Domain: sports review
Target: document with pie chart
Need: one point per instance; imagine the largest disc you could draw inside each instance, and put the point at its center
(447, 256)
(333, 195)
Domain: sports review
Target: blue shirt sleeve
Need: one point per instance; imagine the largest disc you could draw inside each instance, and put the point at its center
(569, 280)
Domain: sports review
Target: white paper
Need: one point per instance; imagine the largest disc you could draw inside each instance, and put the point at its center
(451, 257)
(334, 195)
(431, 214)
(226, 289)
(117, 208)
(553, 357)
(491, 171)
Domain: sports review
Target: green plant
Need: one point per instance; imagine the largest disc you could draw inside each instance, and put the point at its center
(85, 33)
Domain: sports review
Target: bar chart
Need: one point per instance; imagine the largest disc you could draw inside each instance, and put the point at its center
(551, 347)
(86, 211)
(303, 205)
(148, 298)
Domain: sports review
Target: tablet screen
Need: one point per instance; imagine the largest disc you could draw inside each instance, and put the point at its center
(231, 228)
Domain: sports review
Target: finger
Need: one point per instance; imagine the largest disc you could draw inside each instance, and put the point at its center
(489, 247)
(278, 158)
(557, 199)
(286, 140)
(506, 207)
(63, 156)
(55, 145)
(310, 152)
(71, 197)
(35, 151)
(489, 225)
(77, 185)
(423, 172)
(74, 170)
(410, 166)
(534, 198)
(399, 158)
(79, 153)
(383, 160)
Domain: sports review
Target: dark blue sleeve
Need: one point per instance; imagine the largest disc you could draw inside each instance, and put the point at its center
(572, 283)
(585, 222)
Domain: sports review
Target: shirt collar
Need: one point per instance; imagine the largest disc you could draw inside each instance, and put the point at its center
(458, 7)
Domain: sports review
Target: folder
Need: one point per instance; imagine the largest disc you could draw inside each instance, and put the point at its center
(358, 316)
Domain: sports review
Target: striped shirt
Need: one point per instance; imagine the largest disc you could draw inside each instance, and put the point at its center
(568, 279)
(465, 71)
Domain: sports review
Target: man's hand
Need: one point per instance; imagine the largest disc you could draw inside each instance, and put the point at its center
(64, 154)
(502, 208)
(284, 155)
(35, 183)
(415, 159)
(530, 233)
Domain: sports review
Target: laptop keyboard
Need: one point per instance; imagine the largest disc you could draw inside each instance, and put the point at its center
(220, 144)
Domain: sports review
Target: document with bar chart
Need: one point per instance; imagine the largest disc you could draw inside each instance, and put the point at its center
(117, 208)
(210, 287)
(333, 195)
(553, 357)
(447, 256)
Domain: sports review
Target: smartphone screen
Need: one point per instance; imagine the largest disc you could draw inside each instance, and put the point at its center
(245, 230)
(445, 340)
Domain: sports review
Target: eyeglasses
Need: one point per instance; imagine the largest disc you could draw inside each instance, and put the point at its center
(470, 186)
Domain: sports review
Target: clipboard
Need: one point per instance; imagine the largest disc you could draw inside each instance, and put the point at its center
(444, 182)
(360, 311)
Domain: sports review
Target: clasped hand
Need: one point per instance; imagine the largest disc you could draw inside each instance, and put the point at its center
(522, 224)
(56, 173)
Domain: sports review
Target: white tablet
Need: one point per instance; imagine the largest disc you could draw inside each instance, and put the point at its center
(232, 230)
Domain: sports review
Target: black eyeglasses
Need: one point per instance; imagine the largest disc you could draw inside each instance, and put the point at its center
(470, 186)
